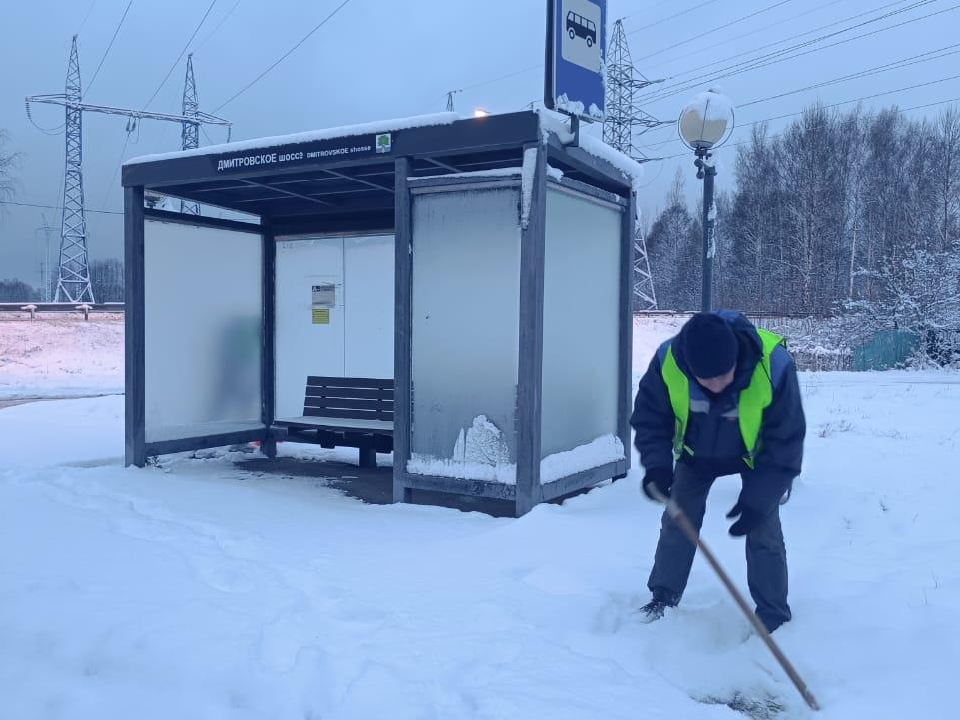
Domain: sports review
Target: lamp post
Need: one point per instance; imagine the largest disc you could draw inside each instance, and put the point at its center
(705, 124)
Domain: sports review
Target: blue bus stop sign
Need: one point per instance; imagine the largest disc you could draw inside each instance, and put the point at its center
(576, 52)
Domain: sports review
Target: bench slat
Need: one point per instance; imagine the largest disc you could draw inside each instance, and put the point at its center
(344, 403)
(352, 382)
(351, 414)
(329, 392)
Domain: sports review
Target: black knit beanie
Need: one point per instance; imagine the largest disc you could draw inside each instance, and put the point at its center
(709, 345)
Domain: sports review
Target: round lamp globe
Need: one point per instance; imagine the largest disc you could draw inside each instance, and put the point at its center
(706, 121)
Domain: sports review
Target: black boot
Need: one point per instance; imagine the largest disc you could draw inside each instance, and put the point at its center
(652, 611)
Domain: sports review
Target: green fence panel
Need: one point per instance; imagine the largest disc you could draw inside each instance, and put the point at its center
(885, 350)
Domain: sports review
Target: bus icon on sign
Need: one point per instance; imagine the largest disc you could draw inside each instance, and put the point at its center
(579, 26)
(579, 33)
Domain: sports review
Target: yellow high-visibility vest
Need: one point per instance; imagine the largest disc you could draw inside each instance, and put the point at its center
(754, 399)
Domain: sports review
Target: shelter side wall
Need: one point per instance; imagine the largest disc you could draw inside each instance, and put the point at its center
(581, 322)
(466, 300)
(369, 275)
(203, 298)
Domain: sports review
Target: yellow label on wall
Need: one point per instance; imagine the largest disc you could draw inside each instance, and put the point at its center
(321, 316)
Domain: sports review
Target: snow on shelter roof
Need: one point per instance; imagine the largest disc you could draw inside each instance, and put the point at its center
(379, 126)
(350, 170)
(558, 124)
(550, 122)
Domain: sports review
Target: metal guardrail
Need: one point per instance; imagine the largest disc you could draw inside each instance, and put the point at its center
(759, 315)
(40, 307)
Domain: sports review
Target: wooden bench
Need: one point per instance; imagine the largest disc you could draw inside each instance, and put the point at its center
(346, 412)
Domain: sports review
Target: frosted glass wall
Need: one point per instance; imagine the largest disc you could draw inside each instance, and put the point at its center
(581, 334)
(203, 316)
(466, 306)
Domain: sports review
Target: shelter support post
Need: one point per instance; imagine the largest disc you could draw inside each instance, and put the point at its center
(403, 328)
(268, 361)
(625, 405)
(134, 366)
(530, 370)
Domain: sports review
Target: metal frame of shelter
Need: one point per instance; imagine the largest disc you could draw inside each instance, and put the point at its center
(331, 193)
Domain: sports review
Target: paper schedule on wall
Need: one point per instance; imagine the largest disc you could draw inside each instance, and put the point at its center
(323, 298)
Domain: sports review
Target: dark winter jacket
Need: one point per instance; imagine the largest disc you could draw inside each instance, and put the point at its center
(713, 431)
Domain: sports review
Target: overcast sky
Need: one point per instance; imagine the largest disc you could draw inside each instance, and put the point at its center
(382, 58)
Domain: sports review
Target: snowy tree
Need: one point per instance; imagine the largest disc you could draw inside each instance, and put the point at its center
(919, 291)
(947, 179)
(16, 291)
(8, 163)
(675, 252)
(106, 276)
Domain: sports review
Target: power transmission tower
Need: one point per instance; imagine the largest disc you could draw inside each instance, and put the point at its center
(45, 279)
(73, 282)
(624, 120)
(190, 132)
(450, 95)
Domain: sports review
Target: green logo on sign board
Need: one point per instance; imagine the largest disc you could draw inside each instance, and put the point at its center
(383, 143)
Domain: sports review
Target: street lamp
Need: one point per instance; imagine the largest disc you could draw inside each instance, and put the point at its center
(705, 124)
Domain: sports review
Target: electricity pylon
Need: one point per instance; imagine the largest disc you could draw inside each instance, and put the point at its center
(623, 121)
(450, 95)
(190, 131)
(73, 281)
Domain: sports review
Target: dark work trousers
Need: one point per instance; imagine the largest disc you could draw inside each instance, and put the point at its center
(766, 554)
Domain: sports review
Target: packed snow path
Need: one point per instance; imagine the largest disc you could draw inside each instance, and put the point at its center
(196, 590)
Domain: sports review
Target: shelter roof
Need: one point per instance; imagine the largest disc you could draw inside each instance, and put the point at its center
(349, 171)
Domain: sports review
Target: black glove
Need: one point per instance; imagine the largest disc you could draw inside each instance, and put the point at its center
(661, 477)
(749, 521)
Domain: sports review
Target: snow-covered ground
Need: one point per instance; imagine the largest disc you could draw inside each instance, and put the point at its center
(60, 356)
(193, 589)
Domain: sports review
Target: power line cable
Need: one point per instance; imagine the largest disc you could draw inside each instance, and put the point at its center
(920, 107)
(107, 51)
(646, 10)
(106, 197)
(699, 35)
(219, 25)
(899, 64)
(283, 57)
(87, 15)
(163, 82)
(731, 57)
(540, 65)
(781, 41)
(826, 107)
(775, 135)
(716, 44)
(182, 52)
(672, 17)
(783, 55)
(57, 207)
(501, 77)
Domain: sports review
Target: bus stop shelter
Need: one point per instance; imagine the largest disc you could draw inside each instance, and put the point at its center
(454, 291)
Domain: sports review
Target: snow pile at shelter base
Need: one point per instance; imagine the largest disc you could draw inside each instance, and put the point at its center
(197, 589)
(481, 453)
